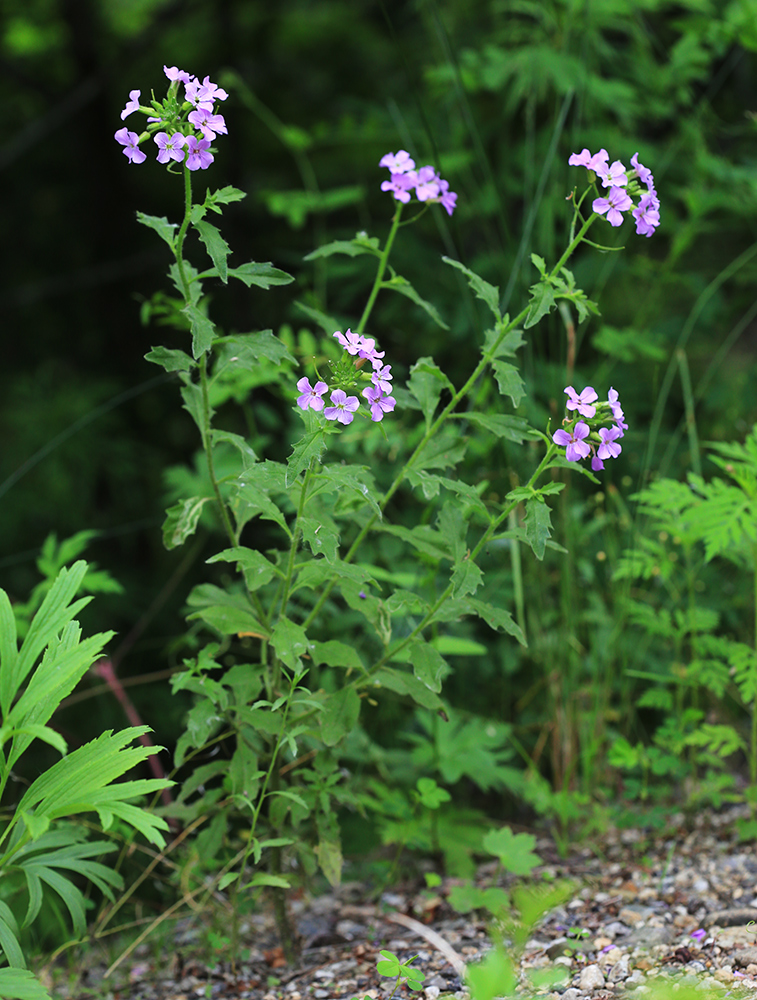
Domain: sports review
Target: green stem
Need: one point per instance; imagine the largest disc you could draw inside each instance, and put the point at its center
(287, 583)
(179, 244)
(384, 259)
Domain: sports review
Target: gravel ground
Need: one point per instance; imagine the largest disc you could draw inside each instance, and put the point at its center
(681, 908)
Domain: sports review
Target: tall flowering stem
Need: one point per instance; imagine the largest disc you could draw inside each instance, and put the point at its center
(383, 261)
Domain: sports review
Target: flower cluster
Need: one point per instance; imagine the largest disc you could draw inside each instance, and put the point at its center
(343, 406)
(427, 184)
(624, 185)
(182, 129)
(581, 439)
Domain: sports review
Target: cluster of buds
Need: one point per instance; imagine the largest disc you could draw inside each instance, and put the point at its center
(346, 376)
(598, 434)
(183, 129)
(624, 185)
(425, 182)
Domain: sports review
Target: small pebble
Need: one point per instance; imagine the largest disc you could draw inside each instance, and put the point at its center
(591, 979)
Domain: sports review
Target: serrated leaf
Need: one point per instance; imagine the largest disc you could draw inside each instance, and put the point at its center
(170, 359)
(217, 247)
(290, 642)
(506, 426)
(262, 275)
(509, 381)
(308, 449)
(429, 666)
(466, 578)
(352, 248)
(538, 525)
(249, 348)
(496, 618)
(257, 570)
(483, 290)
(223, 196)
(162, 226)
(542, 301)
(181, 521)
(404, 683)
(203, 330)
(426, 383)
(399, 284)
(336, 654)
(339, 716)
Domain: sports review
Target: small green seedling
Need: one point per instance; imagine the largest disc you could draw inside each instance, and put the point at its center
(389, 965)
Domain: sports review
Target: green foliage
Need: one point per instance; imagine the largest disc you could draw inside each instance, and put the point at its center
(38, 852)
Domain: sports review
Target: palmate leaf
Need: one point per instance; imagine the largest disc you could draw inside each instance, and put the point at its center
(81, 782)
(63, 849)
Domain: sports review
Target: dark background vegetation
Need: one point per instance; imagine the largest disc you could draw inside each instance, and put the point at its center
(496, 93)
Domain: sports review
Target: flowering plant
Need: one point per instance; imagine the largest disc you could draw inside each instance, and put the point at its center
(317, 623)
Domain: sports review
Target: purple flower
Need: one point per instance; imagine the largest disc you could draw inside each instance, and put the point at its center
(209, 124)
(351, 342)
(616, 202)
(584, 159)
(647, 215)
(580, 159)
(447, 199)
(643, 173)
(609, 447)
(132, 104)
(129, 140)
(400, 185)
(381, 378)
(209, 92)
(170, 148)
(699, 935)
(428, 184)
(612, 176)
(311, 396)
(379, 403)
(176, 74)
(342, 408)
(575, 445)
(398, 163)
(198, 157)
(583, 402)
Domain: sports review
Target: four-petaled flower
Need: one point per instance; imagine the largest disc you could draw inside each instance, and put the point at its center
(400, 185)
(447, 199)
(170, 148)
(343, 407)
(427, 185)
(129, 140)
(207, 123)
(616, 202)
(351, 342)
(582, 402)
(311, 395)
(379, 403)
(398, 163)
(613, 176)
(381, 378)
(576, 447)
(609, 448)
(198, 157)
